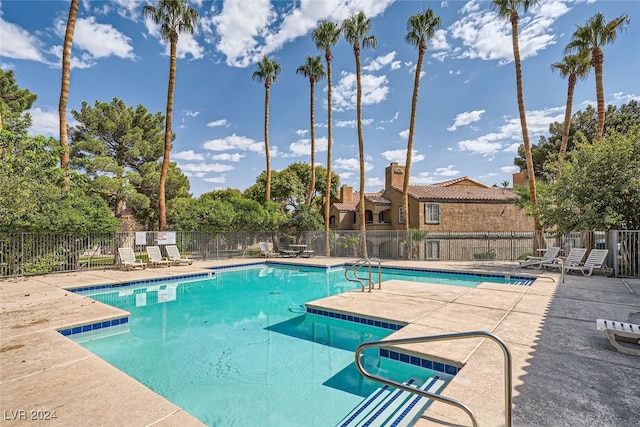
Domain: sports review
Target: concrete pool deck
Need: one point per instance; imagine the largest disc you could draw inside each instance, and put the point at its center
(565, 373)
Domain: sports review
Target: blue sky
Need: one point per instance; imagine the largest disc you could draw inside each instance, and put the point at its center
(467, 122)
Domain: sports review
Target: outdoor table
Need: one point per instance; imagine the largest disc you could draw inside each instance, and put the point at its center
(298, 248)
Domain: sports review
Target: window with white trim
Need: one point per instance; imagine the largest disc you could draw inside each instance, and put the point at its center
(400, 215)
(431, 213)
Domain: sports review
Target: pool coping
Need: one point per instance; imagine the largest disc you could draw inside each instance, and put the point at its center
(53, 300)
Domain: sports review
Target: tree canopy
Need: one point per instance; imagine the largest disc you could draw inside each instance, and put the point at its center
(119, 148)
(583, 127)
(31, 198)
(598, 187)
(14, 102)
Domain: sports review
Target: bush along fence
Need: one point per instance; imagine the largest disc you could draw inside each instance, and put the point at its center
(23, 254)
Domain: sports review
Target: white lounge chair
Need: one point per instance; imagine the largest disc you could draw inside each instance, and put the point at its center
(266, 250)
(595, 260)
(574, 258)
(174, 256)
(549, 256)
(617, 332)
(128, 259)
(155, 257)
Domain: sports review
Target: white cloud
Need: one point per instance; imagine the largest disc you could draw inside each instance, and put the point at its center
(351, 164)
(404, 134)
(22, 46)
(380, 62)
(97, 40)
(466, 118)
(509, 169)
(217, 179)
(538, 122)
(400, 156)
(244, 34)
(187, 155)
(45, 122)
(233, 142)
(187, 44)
(448, 171)
(217, 123)
(205, 167)
(487, 36)
(374, 90)
(352, 123)
(374, 182)
(229, 157)
(485, 145)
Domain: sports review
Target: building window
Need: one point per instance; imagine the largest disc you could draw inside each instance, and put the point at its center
(368, 216)
(431, 213)
(332, 221)
(432, 249)
(400, 216)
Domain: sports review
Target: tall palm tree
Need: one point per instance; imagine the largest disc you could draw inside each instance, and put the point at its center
(174, 17)
(574, 67)
(267, 72)
(313, 70)
(355, 30)
(420, 28)
(326, 35)
(590, 38)
(508, 9)
(64, 90)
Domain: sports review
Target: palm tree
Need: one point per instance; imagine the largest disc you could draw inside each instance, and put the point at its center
(326, 35)
(314, 70)
(64, 90)
(575, 67)
(508, 9)
(420, 28)
(355, 30)
(590, 38)
(174, 17)
(267, 72)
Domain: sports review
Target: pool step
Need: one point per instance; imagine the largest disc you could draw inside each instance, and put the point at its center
(388, 406)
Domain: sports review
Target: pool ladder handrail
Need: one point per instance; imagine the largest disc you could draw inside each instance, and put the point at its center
(358, 279)
(443, 399)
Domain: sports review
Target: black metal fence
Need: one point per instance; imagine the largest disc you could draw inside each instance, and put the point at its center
(23, 254)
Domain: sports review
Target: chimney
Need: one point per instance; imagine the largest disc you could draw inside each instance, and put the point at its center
(346, 194)
(393, 175)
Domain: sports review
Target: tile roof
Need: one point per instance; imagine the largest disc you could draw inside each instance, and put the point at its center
(455, 181)
(453, 193)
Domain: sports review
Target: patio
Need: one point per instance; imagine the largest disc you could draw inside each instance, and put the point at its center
(565, 373)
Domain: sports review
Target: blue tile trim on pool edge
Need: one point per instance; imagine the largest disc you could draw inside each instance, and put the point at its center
(140, 282)
(94, 326)
(418, 361)
(527, 279)
(355, 319)
(389, 354)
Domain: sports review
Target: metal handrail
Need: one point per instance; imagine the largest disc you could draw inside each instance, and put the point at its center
(379, 271)
(443, 399)
(356, 266)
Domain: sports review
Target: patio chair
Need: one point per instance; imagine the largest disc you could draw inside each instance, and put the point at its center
(595, 260)
(549, 256)
(155, 257)
(574, 258)
(174, 256)
(266, 250)
(128, 259)
(618, 332)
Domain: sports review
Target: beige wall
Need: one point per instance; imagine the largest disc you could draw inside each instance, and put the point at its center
(467, 216)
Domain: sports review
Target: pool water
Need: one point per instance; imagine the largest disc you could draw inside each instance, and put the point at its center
(240, 350)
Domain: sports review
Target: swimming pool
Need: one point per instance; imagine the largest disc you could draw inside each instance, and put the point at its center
(239, 348)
